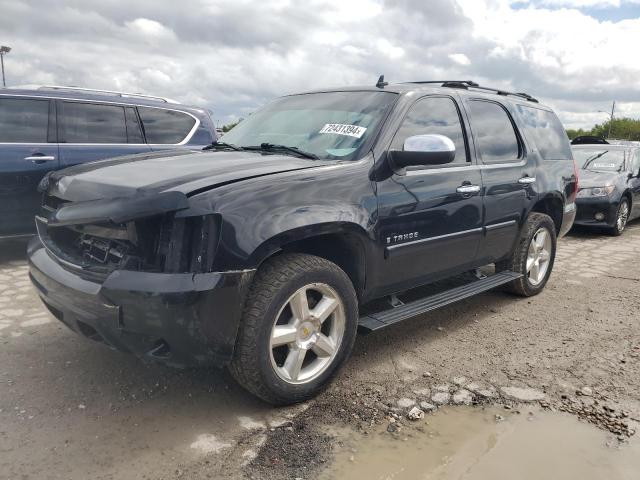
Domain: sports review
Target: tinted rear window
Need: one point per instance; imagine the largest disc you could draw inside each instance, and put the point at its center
(495, 137)
(547, 132)
(23, 120)
(165, 126)
(93, 123)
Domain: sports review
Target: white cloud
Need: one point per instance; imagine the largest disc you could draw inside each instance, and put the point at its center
(235, 56)
(582, 3)
(460, 58)
(150, 28)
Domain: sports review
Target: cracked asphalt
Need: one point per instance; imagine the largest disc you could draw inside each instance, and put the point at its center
(71, 409)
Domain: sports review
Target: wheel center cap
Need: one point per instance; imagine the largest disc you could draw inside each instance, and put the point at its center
(306, 334)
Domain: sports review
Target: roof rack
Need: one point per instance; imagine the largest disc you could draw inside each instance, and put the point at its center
(466, 84)
(107, 92)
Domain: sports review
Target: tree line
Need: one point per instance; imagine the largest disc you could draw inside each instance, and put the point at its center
(621, 129)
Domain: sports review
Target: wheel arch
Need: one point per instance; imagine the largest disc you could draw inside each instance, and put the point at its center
(627, 194)
(344, 244)
(553, 206)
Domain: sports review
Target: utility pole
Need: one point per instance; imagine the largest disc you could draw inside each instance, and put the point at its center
(3, 51)
(613, 108)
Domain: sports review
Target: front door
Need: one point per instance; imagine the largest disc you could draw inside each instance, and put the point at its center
(430, 218)
(95, 131)
(28, 150)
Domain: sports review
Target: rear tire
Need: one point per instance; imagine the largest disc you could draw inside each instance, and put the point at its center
(298, 327)
(533, 256)
(622, 217)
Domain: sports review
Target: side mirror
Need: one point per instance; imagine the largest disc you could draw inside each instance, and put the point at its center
(424, 150)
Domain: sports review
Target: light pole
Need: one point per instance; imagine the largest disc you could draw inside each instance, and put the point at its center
(613, 108)
(3, 51)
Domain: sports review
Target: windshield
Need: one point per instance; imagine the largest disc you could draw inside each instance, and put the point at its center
(332, 125)
(599, 159)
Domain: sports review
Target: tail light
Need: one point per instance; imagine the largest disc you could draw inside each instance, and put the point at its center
(574, 194)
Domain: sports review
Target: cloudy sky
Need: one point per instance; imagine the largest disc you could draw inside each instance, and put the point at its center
(234, 55)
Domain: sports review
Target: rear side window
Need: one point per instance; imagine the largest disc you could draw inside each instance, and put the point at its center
(23, 120)
(93, 123)
(495, 136)
(165, 126)
(547, 132)
(433, 115)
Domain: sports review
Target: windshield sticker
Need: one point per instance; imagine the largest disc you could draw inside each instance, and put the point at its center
(604, 165)
(341, 129)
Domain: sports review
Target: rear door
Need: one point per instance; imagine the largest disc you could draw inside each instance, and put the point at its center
(91, 131)
(28, 150)
(508, 175)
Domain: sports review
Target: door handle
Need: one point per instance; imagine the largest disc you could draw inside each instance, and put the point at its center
(40, 158)
(467, 189)
(527, 180)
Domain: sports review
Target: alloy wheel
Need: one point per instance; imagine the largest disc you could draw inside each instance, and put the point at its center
(623, 216)
(539, 256)
(307, 333)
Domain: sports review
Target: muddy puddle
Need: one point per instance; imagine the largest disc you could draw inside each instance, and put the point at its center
(469, 443)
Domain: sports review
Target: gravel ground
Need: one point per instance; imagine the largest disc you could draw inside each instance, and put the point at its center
(73, 409)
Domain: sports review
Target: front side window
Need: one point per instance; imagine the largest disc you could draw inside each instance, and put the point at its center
(93, 123)
(23, 120)
(433, 115)
(495, 137)
(547, 132)
(330, 125)
(599, 159)
(165, 127)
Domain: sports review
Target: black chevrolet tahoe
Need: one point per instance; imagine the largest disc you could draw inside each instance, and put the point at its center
(320, 214)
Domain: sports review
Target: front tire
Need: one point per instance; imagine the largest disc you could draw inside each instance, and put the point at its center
(298, 327)
(622, 217)
(533, 256)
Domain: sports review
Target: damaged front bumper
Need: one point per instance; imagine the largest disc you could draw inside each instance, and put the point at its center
(177, 318)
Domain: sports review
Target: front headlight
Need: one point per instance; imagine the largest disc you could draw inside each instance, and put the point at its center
(596, 191)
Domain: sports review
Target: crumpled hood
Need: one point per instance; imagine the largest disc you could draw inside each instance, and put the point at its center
(590, 179)
(181, 171)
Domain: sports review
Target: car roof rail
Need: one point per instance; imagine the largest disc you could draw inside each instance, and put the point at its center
(466, 84)
(106, 92)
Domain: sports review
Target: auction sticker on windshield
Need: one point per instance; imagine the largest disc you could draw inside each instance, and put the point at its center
(341, 129)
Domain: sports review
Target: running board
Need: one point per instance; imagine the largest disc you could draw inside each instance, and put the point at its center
(376, 321)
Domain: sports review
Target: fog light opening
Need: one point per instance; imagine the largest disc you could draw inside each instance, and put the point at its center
(161, 350)
(599, 216)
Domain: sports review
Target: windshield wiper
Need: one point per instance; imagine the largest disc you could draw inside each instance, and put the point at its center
(593, 159)
(222, 145)
(270, 147)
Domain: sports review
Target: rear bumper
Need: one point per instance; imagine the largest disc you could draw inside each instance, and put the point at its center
(588, 208)
(179, 319)
(568, 218)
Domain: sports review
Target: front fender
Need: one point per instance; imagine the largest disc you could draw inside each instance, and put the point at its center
(261, 215)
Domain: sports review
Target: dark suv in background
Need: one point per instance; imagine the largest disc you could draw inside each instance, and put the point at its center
(49, 128)
(319, 214)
